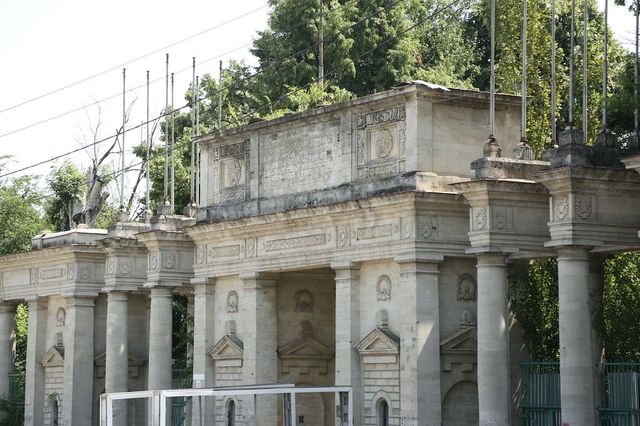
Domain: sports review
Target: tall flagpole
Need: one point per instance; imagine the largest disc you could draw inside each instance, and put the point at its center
(173, 154)
(605, 65)
(571, 61)
(492, 84)
(523, 118)
(554, 133)
(194, 101)
(146, 166)
(166, 132)
(585, 60)
(124, 121)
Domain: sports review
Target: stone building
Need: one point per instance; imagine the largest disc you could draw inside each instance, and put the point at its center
(347, 245)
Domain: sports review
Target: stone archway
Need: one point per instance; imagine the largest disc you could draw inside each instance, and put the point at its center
(460, 407)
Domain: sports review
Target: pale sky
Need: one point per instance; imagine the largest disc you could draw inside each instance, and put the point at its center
(49, 44)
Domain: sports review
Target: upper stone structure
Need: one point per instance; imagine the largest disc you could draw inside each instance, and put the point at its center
(415, 136)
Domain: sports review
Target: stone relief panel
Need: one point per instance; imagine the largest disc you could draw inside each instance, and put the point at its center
(344, 236)
(380, 142)
(50, 274)
(230, 166)
(560, 207)
(427, 227)
(61, 317)
(479, 218)
(252, 248)
(501, 218)
(296, 160)
(583, 206)
(466, 289)
(408, 228)
(383, 288)
(304, 301)
(232, 302)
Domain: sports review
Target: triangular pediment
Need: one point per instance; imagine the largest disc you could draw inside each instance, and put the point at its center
(228, 347)
(463, 341)
(133, 359)
(379, 342)
(305, 347)
(54, 357)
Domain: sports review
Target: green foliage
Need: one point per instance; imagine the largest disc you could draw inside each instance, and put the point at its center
(533, 298)
(182, 335)
(68, 185)
(20, 218)
(12, 406)
(621, 307)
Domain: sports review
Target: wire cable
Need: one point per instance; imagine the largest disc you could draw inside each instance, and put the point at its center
(91, 77)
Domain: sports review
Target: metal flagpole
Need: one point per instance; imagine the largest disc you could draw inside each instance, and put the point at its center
(173, 154)
(166, 132)
(635, 76)
(605, 65)
(571, 61)
(554, 133)
(321, 44)
(197, 165)
(492, 88)
(147, 198)
(194, 101)
(585, 17)
(220, 98)
(124, 121)
(523, 118)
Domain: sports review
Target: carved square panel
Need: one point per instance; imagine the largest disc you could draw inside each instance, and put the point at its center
(232, 172)
(382, 143)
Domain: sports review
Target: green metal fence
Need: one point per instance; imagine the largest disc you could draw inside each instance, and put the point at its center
(540, 405)
(180, 380)
(621, 399)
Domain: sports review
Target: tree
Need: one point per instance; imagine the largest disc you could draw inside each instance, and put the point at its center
(68, 186)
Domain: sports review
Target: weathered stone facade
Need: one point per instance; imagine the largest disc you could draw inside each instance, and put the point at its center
(348, 245)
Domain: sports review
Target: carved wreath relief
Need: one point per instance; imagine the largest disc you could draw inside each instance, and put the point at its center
(304, 301)
(583, 206)
(383, 288)
(427, 227)
(479, 218)
(561, 206)
(61, 317)
(380, 142)
(466, 288)
(232, 302)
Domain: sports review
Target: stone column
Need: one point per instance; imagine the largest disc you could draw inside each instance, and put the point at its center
(34, 377)
(577, 366)
(203, 339)
(117, 361)
(347, 359)
(260, 363)
(7, 322)
(494, 397)
(419, 342)
(160, 339)
(77, 399)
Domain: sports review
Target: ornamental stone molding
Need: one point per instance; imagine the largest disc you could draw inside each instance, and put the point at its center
(383, 288)
(466, 288)
(303, 301)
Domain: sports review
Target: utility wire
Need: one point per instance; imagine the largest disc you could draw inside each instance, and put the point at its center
(118, 94)
(91, 77)
(334, 72)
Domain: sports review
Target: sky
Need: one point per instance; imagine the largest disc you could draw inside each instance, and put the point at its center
(48, 44)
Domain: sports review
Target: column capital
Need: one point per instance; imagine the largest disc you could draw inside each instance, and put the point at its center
(492, 259)
(7, 307)
(418, 263)
(344, 264)
(161, 292)
(256, 279)
(36, 302)
(203, 281)
(573, 252)
(118, 296)
(80, 301)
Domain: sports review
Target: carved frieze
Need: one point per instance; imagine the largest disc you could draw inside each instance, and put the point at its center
(214, 253)
(379, 117)
(373, 232)
(380, 142)
(383, 288)
(52, 274)
(295, 242)
(230, 150)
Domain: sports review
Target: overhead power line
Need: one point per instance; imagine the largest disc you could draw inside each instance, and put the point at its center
(115, 67)
(168, 113)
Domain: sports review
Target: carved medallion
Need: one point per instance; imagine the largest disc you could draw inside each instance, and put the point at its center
(232, 302)
(408, 228)
(427, 227)
(125, 266)
(343, 235)
(561, 206)
(383, 288)
(85, 272)
(200, 255)
(170, 261)
(252, 245)
(304, 301)
(466, 287)
(233, 172)
(61, 317)
(583, 206)
(111, 266)
(480, 219)
(383, 142)
(500, 218)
